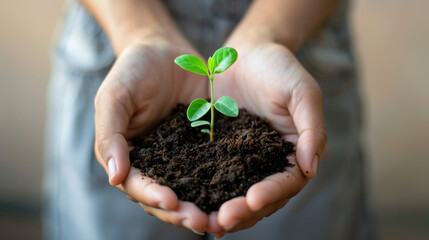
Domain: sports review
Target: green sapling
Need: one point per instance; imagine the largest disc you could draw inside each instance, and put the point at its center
(222, 59)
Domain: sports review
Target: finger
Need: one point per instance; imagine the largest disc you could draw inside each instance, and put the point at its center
(188, 215)
(235, 215)
(275, 188)
(219, 236)
(259, 215)
(145, 190)
(293, 138)
(213, 225)
(112, 113)
(308, 117)
(232, 212)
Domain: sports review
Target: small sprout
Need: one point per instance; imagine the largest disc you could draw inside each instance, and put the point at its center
(227, 106)
(222, 59)
(199, 123)
(205, 131)
(198, 108)
(192, 64)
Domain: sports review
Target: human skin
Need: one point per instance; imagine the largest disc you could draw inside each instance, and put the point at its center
(144, 85)
(268, 80)
(138, 92)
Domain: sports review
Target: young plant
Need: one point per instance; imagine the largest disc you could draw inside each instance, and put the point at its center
(222, 59)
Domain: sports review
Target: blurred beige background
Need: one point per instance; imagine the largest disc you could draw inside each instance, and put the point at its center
(391, 40)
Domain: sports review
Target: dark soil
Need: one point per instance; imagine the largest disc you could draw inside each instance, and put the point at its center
(245, 151)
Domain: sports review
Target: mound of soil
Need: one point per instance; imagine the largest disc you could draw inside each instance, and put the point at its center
(244, 151)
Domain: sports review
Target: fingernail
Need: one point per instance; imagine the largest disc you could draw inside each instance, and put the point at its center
(230, 227)
(187, 225)
(162, 206)
(111, 168)
(314, 164)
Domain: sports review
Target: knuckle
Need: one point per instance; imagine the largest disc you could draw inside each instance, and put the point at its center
(315, 92)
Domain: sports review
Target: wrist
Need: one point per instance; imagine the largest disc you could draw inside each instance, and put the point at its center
(271, 21)
(152, 37)
(130, 22)
(253, 36)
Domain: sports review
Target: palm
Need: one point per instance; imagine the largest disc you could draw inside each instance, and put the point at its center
(142, 87)
(262, 81)
(270, 82)
(149, 85)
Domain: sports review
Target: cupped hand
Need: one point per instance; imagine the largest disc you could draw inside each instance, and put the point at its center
(269, 81)
(142, 87)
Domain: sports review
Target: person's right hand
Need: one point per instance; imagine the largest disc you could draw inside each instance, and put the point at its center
(142, 87)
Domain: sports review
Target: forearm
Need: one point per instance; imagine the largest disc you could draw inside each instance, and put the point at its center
(288, 22)
(132, 21)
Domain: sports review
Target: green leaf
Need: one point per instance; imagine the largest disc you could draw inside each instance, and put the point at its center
(227, 106)
(197, 109)
(199, 123)
(192, 64)
(224, 58)
(205, 131)
(211, 65)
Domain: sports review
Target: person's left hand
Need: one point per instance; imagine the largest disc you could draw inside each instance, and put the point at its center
(269, 81)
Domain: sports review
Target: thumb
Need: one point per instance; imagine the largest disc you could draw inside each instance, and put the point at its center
(111, 123)
(310, 124)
